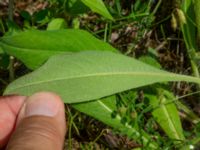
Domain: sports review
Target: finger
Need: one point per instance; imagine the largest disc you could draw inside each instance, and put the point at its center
(41, 124)
(9, 109)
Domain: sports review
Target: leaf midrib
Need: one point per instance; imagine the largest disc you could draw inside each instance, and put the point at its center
(105, 74)
(18, 48)
(119, 118)
(171, 123)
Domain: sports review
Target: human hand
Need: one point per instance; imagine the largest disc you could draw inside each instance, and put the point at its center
(32, 123)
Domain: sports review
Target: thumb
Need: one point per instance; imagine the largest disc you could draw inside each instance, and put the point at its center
(41, 124)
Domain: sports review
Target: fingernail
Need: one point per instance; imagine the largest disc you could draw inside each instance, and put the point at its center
(43, 103)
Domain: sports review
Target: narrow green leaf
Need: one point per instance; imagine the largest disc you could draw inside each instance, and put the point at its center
(151, 61)
(26, 15)
(188, 113)
(166, 114)
(189, 29)
(34, 47)
(40, 15)
(98, 7)
(76, 7)
(197, 11)
(91, 75)
(103, 109)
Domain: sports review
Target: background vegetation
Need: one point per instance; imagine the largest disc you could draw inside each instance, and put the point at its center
(162, 34)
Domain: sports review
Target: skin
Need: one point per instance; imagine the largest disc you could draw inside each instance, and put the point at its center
(34, 123)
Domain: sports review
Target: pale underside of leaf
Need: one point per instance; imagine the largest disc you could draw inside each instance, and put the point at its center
(91, 75)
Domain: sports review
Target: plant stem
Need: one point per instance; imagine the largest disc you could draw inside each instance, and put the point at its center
(11, 64)
(157, 6)
(11, 69)
(195, 68)
(4, 82)
(10, 10)
(188, 31)
(106, 33)
(197, 11)
(2, 26)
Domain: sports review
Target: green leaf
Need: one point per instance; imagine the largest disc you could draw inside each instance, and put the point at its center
(26, 15)
(1, 50)
(189, 29)
(98, 7)
(76, 7)
(197, 11)
(91, 75)
(166, 114)
(103, 110)
(151, 61)
(56, 24)
(4, 61)
(40, 15)
(188, 113)
(34, 47)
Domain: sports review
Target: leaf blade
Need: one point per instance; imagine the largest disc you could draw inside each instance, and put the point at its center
(98, 7)
(166, 115)
(34, 47)
(102, 110)
(56, 24)
(84, 74)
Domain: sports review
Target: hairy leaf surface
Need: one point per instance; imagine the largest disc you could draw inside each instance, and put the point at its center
(91, 75)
